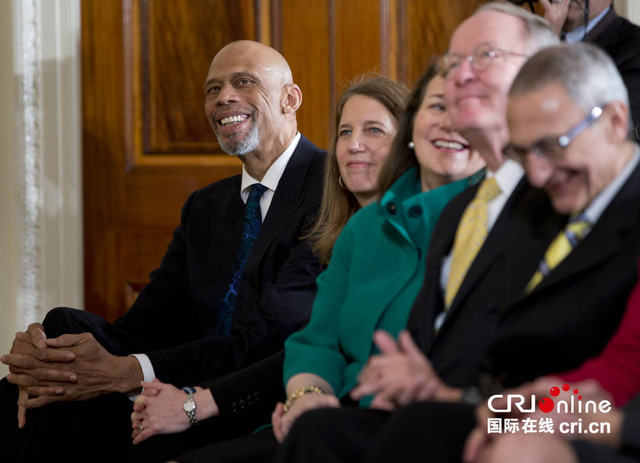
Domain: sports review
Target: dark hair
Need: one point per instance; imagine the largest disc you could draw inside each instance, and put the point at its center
(339, 204)
(403, 158)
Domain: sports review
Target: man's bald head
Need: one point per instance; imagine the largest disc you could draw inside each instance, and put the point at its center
(261, 56)
(251, 101)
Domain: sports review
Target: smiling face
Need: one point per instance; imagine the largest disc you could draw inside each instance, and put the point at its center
(444, 156)
(477, 100)
(245, 98)
(587, 165)
(365, 133)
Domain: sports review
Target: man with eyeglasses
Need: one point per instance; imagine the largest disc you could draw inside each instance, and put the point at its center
(497, 313)
(615, 35)
(486, 52)
(568, 117)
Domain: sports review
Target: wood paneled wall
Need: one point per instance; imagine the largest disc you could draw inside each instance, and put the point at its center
(146, 141)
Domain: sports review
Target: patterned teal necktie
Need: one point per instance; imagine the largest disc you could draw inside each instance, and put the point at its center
(252, 224)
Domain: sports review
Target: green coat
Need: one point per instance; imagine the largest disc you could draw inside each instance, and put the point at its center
(375, 273)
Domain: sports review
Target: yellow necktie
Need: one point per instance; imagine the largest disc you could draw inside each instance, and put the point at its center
(470, 236)
(560, 248)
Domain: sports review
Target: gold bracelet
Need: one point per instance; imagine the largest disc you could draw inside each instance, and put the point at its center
(299, 393)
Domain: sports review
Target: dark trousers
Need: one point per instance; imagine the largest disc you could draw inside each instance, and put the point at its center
(588, 452)
(420, 432)
(257, 447)
(94, 430)
(97, 430)
(200, 438)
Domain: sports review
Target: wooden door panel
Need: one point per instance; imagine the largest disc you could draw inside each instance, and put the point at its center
(301, 31)
(146, 141)
(178, 40)
(357, 41)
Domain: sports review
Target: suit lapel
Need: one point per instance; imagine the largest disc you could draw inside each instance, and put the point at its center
(234, 206)
(601, 31)
(439, 247)
(491, 250)
(286, 200)
(533, 226)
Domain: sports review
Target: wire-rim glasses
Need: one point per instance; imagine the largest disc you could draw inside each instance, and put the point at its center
(480, 59)
(553, 149)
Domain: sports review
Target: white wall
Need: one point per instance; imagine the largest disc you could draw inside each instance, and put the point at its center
(40, 162)
(8, 185)
(630, 9)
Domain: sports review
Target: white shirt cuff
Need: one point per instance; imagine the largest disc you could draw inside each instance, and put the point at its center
(147, 370)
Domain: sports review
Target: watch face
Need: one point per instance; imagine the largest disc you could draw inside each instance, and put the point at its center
(189, 406)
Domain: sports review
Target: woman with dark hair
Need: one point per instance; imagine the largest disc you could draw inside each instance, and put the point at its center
(378, 261)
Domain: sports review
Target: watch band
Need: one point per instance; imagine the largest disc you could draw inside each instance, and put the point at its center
(189, 406)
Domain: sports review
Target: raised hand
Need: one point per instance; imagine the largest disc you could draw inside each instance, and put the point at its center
(556, 13)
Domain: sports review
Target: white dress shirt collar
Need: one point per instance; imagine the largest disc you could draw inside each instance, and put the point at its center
(270, 179)
(578, 33)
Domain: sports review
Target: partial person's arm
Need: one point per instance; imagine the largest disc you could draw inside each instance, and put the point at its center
(315, 364)
(480, 441)
(305, 391)
(92, 372)
(159, 410)
(30, 363)
(617, 367)
(249, 394)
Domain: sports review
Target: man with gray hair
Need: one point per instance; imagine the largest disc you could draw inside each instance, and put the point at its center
(454, 314)
(568, 114)
(615, 35)
(518, 313)
(568, 117)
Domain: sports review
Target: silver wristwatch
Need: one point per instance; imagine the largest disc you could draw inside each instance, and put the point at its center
(189, 406)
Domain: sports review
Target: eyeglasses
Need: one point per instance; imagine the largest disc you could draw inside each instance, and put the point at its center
(480, 59)
(552, 149)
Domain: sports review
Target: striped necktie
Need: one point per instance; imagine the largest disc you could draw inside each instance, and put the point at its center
(470, 236)
(251, 227)
(560, 248)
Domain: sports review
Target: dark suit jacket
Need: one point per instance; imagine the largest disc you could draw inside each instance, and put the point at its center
(458, 351)
(631, 425)
(621, 40)
(175, 314)
(575, 310)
